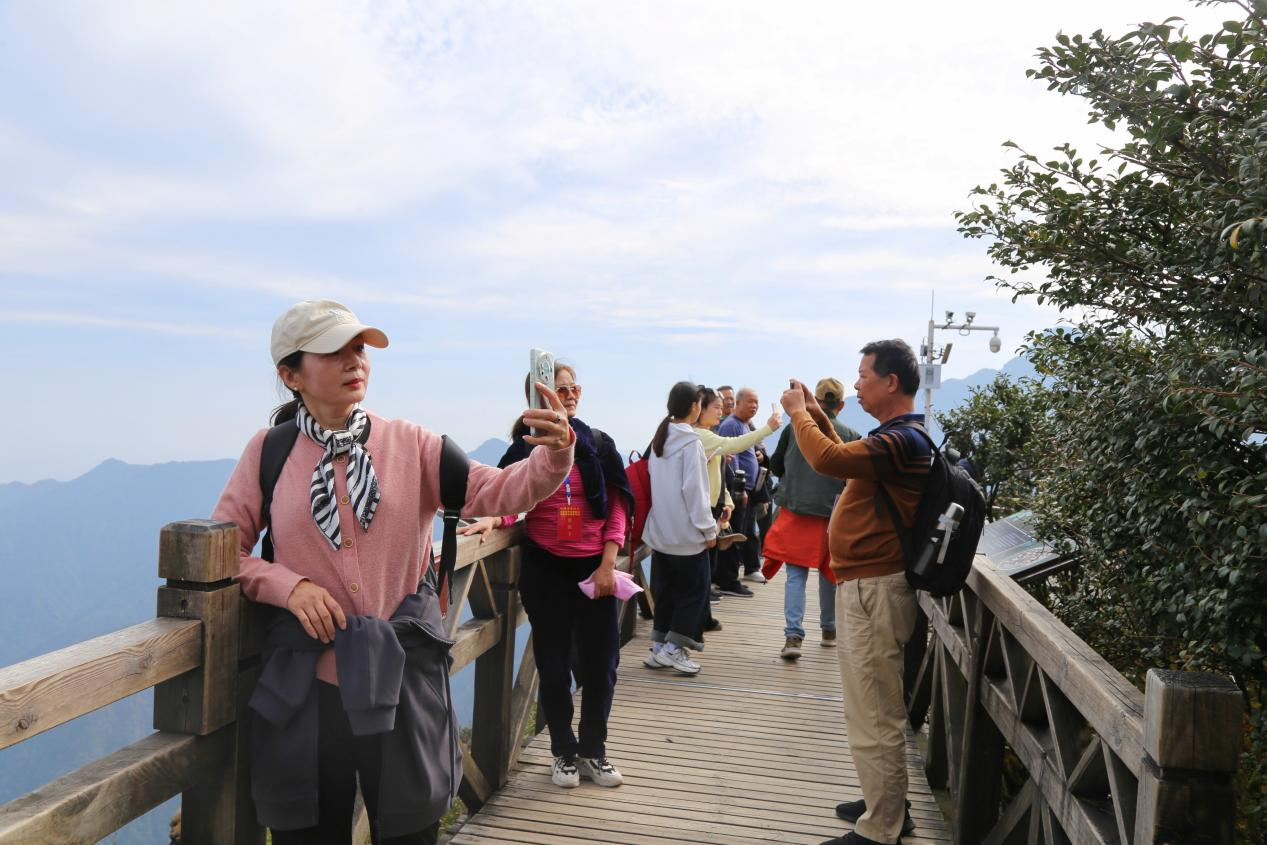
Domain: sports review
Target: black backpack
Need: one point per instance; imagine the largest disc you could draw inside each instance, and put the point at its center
(946, 483)
(454, 472)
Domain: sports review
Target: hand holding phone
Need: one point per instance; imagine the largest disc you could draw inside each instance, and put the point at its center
(540, 371)
(793, 399)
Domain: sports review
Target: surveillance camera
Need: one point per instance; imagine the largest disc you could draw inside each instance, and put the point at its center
(995, 343)
(950, 316)
(972, 315)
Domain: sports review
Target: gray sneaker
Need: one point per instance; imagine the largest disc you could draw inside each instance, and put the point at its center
(679, 660)
(564, 773)
(599, 770)
(791, 648)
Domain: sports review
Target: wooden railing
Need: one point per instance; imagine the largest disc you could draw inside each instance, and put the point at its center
(201, 655)
(1103, 762)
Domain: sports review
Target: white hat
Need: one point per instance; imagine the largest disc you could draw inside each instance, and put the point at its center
(319, 325)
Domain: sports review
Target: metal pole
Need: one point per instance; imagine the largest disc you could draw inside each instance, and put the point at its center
(928, 384)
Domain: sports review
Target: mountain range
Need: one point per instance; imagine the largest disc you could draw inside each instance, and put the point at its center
(79, 560)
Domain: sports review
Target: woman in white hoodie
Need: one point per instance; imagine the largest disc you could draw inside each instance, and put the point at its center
(680, 529)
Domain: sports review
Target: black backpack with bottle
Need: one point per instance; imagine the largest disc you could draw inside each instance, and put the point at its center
(940, 572)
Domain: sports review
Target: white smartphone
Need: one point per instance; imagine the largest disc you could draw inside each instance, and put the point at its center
(540, 369)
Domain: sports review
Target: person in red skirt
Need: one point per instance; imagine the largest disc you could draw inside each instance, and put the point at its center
(798, 536)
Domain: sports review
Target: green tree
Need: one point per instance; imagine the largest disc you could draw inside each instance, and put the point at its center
(1158, 390)
(1001, 430)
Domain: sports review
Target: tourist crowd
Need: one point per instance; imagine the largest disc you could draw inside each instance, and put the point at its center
(348, 503)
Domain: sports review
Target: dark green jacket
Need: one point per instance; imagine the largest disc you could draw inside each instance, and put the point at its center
(801, 490)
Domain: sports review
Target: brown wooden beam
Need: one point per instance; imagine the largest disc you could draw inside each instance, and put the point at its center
(98, 799)
(52, 689)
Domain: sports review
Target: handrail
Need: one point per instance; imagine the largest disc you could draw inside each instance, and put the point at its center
(1106, 763)
(46, 691)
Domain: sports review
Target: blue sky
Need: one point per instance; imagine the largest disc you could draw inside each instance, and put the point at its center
(727, 192)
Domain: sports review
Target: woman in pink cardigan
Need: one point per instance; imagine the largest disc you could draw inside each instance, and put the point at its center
(351, 522)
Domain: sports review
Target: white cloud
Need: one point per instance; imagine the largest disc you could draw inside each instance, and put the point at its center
(671, 177)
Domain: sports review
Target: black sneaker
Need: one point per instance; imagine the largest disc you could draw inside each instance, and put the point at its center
(855, 838)
(851, 811)
(736, 590)
(714, 597)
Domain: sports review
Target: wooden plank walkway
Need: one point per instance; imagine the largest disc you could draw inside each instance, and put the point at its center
(751, 750)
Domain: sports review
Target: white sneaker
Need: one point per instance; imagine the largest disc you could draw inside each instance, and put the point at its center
(755, 577)
(651, 661)
(679, 660)
(599, 770)
(564, 773)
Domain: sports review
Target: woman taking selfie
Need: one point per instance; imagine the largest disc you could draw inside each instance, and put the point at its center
(680, 529)
(573, 535)
(350, 522)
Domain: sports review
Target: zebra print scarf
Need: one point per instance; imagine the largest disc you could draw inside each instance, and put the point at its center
(362, 482)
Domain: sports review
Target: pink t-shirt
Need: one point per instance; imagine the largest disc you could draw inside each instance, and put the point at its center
(542, 522)
(373, 571)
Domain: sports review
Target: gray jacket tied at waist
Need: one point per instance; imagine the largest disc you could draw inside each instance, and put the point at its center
(393, 679)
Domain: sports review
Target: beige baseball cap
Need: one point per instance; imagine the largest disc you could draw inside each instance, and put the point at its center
(319, 325)
(829, 386)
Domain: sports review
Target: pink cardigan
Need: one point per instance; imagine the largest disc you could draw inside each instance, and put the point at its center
(374, 571)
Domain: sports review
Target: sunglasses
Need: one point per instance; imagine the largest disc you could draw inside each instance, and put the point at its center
(568, 390)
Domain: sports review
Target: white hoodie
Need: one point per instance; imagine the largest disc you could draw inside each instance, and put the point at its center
(680, 521)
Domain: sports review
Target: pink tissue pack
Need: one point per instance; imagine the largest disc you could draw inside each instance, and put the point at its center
(625, 586)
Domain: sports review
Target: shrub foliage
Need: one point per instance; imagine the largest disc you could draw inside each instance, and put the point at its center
(1153, 460)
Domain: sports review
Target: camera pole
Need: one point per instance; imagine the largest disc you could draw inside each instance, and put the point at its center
(931, 376)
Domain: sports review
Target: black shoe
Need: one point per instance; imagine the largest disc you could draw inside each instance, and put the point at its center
(736, 590)
(851, 811)
(714, 597)
(855, 838)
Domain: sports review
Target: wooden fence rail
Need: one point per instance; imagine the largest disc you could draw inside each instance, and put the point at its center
(1104, 763)
(201, 656)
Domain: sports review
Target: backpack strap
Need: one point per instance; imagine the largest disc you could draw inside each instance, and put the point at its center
(906, 536)
(455, 469)
(277, 445)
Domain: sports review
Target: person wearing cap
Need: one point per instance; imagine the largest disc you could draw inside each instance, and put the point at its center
(351, 523)
(798, 536)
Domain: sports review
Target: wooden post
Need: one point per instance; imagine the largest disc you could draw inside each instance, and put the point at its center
(199, 559)
(981, 762)
(491, 723)
(1192, 739)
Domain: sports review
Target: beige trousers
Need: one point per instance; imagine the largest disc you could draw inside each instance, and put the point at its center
(876, 617)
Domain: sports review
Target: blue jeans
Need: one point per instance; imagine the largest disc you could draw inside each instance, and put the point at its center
(794, 601)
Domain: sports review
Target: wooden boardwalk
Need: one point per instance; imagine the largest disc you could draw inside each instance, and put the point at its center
(751, 750)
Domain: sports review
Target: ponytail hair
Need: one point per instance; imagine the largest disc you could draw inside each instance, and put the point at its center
(682, 396)
(288, 410)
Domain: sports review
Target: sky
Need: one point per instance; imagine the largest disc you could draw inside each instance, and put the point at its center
(727, 192)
